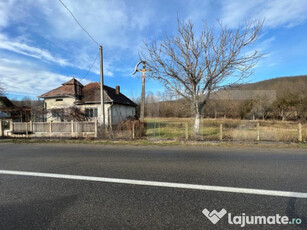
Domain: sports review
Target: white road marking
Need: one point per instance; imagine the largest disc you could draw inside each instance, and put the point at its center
(159, 184)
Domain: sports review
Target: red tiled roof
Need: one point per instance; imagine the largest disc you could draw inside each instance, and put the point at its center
(72, 81)
(67, 89)
(6, 102)
(90, 93)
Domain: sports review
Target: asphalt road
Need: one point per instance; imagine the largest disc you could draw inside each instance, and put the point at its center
(30, 202)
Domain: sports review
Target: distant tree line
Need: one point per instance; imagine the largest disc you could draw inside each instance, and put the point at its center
(286, 105)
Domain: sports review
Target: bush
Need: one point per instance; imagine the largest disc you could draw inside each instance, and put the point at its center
(129, 124)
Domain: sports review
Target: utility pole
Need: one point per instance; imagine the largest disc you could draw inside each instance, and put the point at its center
(143, 95)
(101, 90)
(144, 70)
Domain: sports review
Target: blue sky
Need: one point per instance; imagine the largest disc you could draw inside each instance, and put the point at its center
(41, 46)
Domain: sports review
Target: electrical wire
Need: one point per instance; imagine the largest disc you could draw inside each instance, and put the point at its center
(90, 36)
(91, 66)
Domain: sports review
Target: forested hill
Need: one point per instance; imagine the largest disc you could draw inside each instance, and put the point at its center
(278, 98)
(281, 85)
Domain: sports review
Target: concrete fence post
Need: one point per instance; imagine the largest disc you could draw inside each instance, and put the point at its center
(1, 129)
(27, 129)
(31, 126)
(186, 130)
(300, 138)
(221, 132)
(50, 128)
(72, 128)
(133, 131)
(96, 128)
(258, 132)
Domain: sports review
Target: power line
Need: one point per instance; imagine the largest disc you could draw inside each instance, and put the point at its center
(91, 66)
(79, 23)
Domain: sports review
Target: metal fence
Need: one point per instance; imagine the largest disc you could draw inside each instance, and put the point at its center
(236, 130)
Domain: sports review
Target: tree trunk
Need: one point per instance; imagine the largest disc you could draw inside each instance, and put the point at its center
(197, 124)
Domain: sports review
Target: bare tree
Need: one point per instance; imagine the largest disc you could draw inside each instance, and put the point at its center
(193, 65)
(1, 90)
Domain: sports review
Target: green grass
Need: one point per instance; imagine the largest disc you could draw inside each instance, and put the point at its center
(233, 129)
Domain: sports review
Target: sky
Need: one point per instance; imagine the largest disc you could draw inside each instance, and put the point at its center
(41, 46)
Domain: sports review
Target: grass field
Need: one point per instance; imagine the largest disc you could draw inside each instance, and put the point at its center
(175, 128)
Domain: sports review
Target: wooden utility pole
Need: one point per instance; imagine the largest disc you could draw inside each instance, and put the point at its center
(101, 90)
(144, 70)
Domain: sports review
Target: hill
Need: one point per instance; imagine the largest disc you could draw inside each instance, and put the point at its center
(278, 98)
(289, 84)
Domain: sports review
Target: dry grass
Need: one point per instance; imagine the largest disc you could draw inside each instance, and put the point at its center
(233, 129)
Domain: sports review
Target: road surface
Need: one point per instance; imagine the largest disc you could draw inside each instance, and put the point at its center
(41, 187)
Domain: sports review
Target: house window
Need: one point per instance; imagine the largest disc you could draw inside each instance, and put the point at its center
(59, 99)
(57, 113)
(91, 112)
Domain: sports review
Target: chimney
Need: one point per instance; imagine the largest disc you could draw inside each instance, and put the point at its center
(117, 90)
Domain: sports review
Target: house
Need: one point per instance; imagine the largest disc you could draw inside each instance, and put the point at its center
(5, 104)
(73, 101)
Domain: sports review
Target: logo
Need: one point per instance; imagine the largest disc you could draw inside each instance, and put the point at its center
(214, 216)
(243, 220)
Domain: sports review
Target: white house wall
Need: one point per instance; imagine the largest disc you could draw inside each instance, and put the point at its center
(121, 112)
(51, 103)
(99, 111)
(117, 112)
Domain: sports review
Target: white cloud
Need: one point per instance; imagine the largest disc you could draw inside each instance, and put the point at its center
(23, 78)
(114, 24)
(275, 12)
(25, 49)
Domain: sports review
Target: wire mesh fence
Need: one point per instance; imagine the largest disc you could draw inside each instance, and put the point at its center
(227, 129)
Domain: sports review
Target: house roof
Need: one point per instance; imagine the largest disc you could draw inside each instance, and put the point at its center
(91, 94)
(72, 81)
(5, 102)
(67, 89)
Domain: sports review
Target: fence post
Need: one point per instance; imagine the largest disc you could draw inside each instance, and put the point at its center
(31, 126)
(27, 129)
(50, 127)
(300, 138)
(221, 132)
(133, 130)
(96, 128)
(1, 129)
(72, 128)
(186, 130)
(258, 132)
